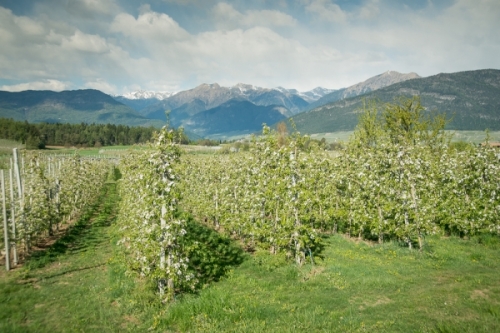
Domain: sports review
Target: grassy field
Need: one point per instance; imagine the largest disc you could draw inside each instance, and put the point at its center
(121, 150)
(6, 147)
(78, 285)
(105, 151)
(451, 287)
(333, 137)
(467, 136)
(474, 136)
(343, 136)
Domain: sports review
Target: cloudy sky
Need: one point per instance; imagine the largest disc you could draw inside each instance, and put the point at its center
(119, 46)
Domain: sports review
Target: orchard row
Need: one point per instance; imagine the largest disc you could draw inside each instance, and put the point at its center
(40, 193)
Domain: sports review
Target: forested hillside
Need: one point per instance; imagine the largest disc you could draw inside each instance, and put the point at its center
(86, 135)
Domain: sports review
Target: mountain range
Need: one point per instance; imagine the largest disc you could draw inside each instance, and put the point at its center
(207, 96)
(471, 99)
(77, 106)
(185, 105)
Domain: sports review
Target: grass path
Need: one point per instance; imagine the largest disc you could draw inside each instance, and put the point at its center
(68, 288)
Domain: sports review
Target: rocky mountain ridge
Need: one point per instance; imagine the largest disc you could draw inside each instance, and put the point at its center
(207, 96)
(376, 82)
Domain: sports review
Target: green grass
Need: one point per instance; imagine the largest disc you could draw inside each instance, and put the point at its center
(6, 147)
(113, 151)
(474, 136)
(452, 286)
(67, 288)
(467, 136)
(79, 285)
(10, 144)
(197, 150)
(230, 136)
(102, 151)
(334, 136)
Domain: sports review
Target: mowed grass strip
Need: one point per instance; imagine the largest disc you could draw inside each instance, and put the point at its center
(453, 286)
(68, 288)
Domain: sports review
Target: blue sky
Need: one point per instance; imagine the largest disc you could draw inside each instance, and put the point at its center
(119, 46)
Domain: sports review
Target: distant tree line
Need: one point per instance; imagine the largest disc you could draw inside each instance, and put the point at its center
(79, 135)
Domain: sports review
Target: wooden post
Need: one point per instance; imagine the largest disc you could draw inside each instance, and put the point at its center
(5, 223)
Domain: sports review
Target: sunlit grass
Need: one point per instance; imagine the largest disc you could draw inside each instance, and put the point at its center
(9, 144)
(356, 288)
(475, 137)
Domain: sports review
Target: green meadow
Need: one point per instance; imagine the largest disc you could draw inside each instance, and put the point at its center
(475, 137)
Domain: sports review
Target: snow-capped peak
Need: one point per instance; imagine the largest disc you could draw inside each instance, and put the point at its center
(311, 95)
(243, 87)
(143, 94)
(281, 89)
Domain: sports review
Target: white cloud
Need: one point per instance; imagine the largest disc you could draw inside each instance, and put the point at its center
(12, 25)
(29, 26)
(60, 54)
(227, 17)
(370, 10)
(100, 6)
(169, 55)
(84, 42)
(182, 2)
(326, 11)
(102, 85)
(257, 55)
(268, 18)
(54, 85)
(149, 26)
(459, 37)
(262, 57)
(90, 8)
(152, 50)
